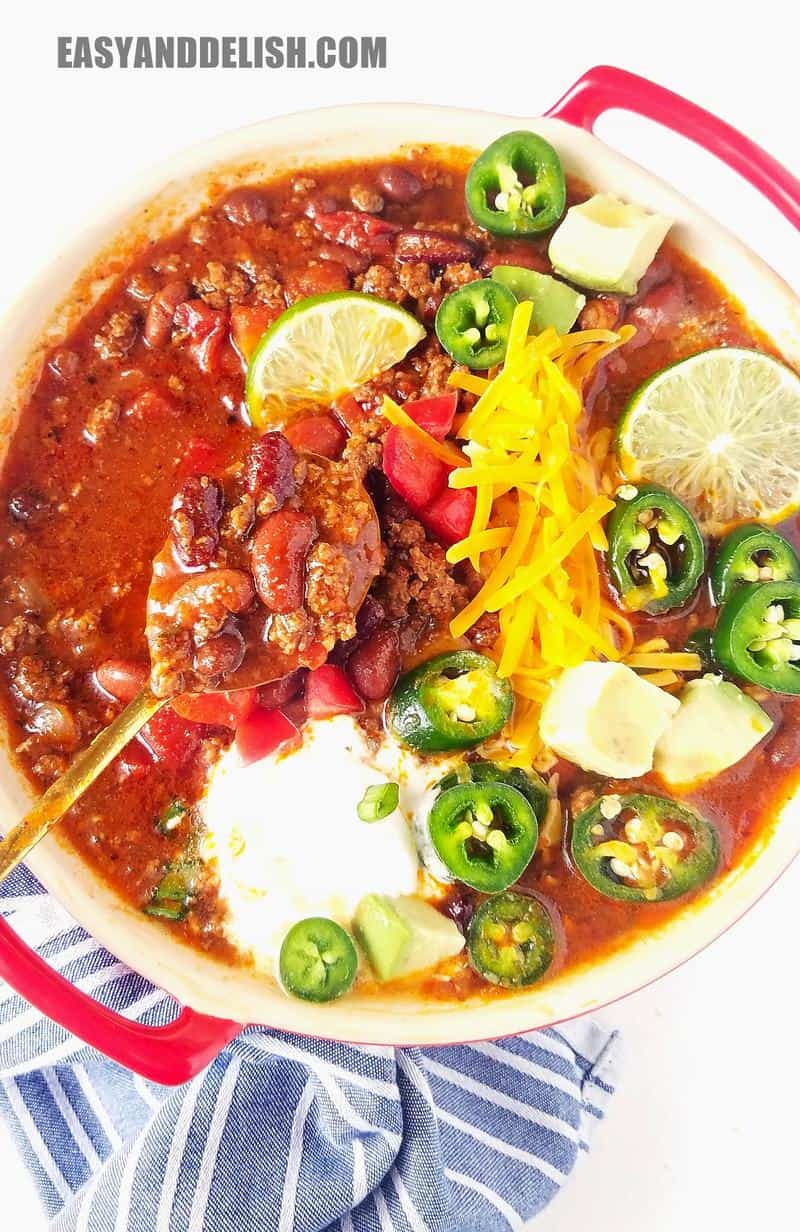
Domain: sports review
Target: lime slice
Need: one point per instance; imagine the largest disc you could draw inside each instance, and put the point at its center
(722, 431)
(323, 347)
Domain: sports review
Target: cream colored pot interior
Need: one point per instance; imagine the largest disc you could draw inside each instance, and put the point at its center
(162, 200)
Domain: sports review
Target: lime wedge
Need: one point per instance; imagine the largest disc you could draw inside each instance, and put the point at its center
(323, 347)
(722, 431)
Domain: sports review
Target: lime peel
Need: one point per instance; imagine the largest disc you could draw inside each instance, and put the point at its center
(322, 348)
(722, 431)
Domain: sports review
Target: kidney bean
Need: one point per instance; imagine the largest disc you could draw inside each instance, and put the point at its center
(246, 205)
(364, 232)
(320, 203)
(399, 184)
(355, 262)
(316, 279)
(278, 559)
(320, 434)
(122, 679)
(204, 602)
(220, 655)
(435, 247)
(160, 313)
(194, 520)
(269, 469)
(516, 253)
(56, 724)
(279, 692)
(374, 666)
(370, 616)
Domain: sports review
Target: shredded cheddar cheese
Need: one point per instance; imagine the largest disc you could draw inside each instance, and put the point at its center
(539, 514)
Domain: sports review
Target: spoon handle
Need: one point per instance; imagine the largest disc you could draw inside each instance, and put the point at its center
(61, 795)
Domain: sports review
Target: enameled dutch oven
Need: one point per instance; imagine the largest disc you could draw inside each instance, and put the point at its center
(161, 202)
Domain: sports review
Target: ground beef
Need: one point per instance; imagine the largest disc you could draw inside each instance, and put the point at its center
(458, 275)
(117, 337)
(417, 587)
(223, 285)
(433, 367)
(268, 291)
(416, 280)
(366, 199)
(292, 632)
(101, 419)
(381, 280)
(37, 679)
(329, 578)
(50, 766)
(20, 633)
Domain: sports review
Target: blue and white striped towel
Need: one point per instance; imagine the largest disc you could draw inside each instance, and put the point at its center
(281, 1132)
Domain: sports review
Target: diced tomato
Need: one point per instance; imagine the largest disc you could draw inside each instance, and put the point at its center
(317, 434)
(329, 692)
(151, 405)
(262, 733)
(217, 709)
(249, 324)
(364, 232)
(350, 412)
(200, 457)
(171, 739)
(412, 470)
(434, 415)
(450, 514)
(206, 328)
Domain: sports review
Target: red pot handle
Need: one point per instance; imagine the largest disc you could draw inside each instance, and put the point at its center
(604, 88)
(171, 1054)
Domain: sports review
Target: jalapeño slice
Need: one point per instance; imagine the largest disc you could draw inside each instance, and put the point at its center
(484, 833)
(752, 553)
(473, 323)
(318, 961)
(452, 701)
(516, 186)
(511, 940)
(757, 635)
(528, 782)
(643, 849)
(655, 550)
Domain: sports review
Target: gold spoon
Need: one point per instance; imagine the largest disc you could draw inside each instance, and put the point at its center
(92, 761)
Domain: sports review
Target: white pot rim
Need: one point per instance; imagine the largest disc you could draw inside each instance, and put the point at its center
(58, 296)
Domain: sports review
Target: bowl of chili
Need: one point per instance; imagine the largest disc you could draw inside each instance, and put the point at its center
(514, 192)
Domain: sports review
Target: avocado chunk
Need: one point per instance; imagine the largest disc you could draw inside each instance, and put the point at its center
(604, 718)
(401, 936)
(716, 726)
(554, 303)
(434, 937)
(607, 245)
(383, 935)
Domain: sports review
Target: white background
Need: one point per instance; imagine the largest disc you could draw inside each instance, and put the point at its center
(703, 1132)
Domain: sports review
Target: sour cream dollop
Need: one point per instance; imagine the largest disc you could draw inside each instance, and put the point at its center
(284, 837)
